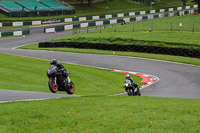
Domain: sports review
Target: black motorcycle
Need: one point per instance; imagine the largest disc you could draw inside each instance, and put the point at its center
(131, 88)
(57, 81)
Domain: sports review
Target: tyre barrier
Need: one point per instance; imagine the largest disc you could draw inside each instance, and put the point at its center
(14, 33)
(128, 48)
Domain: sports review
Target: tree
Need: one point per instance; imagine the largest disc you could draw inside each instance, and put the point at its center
(89, 2)
(184, 2)
(197, 2)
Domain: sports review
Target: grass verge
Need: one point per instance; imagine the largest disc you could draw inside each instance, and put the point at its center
(179, 59)
(21, 73)
(9, 37)
(101, 114)
(179, 37)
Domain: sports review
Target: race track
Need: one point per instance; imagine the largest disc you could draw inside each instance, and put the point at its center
(176, 80)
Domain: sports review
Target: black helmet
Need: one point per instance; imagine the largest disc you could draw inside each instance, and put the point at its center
(127, 76)
(53, 62)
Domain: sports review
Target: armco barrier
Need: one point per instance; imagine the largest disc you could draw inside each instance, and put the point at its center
(114, 21)
(96, 17)
(14, 33)
(130, 48)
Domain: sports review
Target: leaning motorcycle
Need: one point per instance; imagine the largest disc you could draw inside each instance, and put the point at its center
(57, 81)
(131, 89)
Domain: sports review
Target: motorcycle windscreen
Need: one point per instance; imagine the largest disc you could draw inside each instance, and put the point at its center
(52, 70)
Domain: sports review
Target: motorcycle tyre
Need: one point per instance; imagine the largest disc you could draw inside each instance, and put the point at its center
(50, 87)
(129, 92)
(70, 90)
(139, 93)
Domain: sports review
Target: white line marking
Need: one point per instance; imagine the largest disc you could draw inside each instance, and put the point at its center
(27, 100)
(24, 45)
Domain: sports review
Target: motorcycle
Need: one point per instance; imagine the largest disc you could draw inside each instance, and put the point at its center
(131, 88)
(57, 81)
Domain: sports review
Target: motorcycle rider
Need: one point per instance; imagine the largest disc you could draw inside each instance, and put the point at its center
(61, 68)
(132, 82)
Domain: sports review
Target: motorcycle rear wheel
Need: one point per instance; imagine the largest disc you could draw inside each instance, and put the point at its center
(52, 86)
(71, 90)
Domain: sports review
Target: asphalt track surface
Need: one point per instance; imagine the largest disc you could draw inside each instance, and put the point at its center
(35, 28)
(176, 80)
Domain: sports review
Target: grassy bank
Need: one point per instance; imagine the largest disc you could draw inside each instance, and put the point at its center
(101, 114)
(179, 37)
(20, 73)
(117, 6)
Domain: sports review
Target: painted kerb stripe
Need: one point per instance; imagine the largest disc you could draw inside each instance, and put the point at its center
(82, 19)
(179, 8)
(113, 21)
(162, 10)
(150, 17)
(99, 23)
(171, 9)
(17, 33)
(153, 11)
(36, 22)
(84, 25)
(132, 14)
(108, 16)
(127, 20)
(68, 27)
(120, 15)
(49, 30)
(68, 19)
(138, 18)
(95, 17)
(187, 7)
(17, 23)
(142, 12)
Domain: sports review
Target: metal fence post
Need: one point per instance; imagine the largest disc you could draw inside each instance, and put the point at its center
(172, 26)
(193, 27)
(87, 29)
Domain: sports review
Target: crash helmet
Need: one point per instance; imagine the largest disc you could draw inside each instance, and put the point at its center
(53, 62)
(127, 76)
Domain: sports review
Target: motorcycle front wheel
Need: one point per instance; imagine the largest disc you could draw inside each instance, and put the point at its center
(129, 92)
(71, 89)
(52, 85)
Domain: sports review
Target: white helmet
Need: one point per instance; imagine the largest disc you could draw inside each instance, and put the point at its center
(127, 76)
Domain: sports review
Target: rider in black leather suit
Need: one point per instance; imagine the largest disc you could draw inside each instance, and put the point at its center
(60, 67)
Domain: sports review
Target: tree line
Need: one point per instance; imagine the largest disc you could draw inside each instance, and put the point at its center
(183, 1)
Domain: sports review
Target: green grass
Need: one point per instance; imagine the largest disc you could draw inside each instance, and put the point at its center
(124, 35)
(13, 27)
(101, 115)
(20, 73)
(161, 35)
(9, 37)
(179, 59)
(117, 6)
